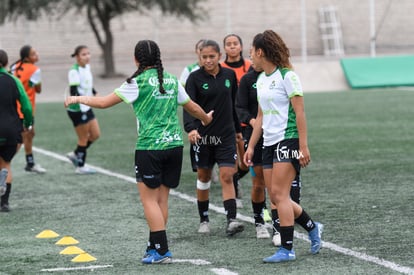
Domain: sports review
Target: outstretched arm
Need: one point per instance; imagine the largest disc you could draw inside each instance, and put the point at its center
(100, 102)
(196, 111)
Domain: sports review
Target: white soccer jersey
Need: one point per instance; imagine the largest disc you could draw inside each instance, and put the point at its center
(81, 77)
(274, 92)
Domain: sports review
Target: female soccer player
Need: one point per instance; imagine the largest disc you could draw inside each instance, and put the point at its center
(214, 87)
(30, 75)
(82, 116)
(154, 95)
(11, 127)
(233, 47)
(247, 107)
(281, 117)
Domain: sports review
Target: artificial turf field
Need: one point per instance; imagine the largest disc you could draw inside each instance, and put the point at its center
(359, 185)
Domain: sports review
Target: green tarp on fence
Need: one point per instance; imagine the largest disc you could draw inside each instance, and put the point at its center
(386, 71)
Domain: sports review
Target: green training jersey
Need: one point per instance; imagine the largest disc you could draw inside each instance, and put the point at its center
(157, 121)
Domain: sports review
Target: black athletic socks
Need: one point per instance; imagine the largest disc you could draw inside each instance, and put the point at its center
(286, 235)
(295, 189)
(236, 177)
(203, 210)
(230, 208)
(4, 200)
(81, 155)
(30, 160)
(159, 239)
(258, 212)
(89, 144)
(275, 220)
(305, 221)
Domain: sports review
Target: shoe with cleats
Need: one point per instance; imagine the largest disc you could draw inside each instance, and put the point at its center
(155, 258)
(261, 231)
(315, 236)
(204, 228)
(281, 255)
(234, 227)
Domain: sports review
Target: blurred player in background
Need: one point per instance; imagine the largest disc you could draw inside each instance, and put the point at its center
(29, 74)
(81, 115)
(233, 47)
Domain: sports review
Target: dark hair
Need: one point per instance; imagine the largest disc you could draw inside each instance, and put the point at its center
(235, 35)
(241, 52)
(4, 59)
(148, 55)
(24, 54)
(198, 44)
(273, 47)
(210, 43)
(78, 50)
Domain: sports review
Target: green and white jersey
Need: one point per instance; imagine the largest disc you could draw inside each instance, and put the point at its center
(157, 122)
(187, 71)
(274, 92)
(83, 79)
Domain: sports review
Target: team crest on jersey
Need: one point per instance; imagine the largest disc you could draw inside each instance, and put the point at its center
(272, 85)
(227, 83)
(205, 86)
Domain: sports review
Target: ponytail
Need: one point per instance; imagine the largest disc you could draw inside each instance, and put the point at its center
(148, 55)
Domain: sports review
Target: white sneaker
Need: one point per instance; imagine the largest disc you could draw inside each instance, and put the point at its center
(72, 157)
(276, 240)
(84, 170)
(36, 169)
(3, 178)
(239, 203)
(204, 228)
(261, 232)
(234, 227)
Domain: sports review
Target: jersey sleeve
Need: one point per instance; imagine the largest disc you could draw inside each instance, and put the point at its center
(292, 84)
(36, 78)
(184, 75)
(237, 126)
(190, 123)
(73, 77)
(182, 97)
(242, 100)
(128, 92)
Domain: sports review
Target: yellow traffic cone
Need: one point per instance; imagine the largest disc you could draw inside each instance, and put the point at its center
(47, 234)
(67, 240)
(84, 257)
(71, 250)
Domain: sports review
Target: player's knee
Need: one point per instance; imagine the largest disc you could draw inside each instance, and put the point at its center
(203, 185)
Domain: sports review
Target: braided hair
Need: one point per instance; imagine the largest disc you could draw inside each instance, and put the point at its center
(274, 48)
(4, 59)
(24, 55)
(148, 55)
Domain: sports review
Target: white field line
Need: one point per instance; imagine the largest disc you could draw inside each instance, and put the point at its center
(191, 261)
(331, 246)
(222, 271)
(64, 269)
